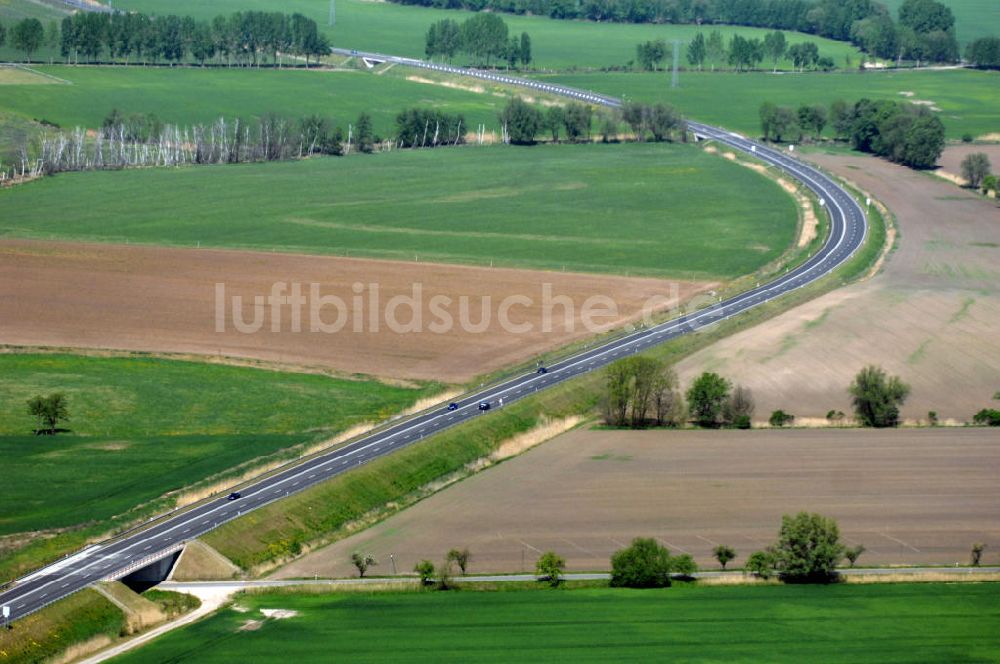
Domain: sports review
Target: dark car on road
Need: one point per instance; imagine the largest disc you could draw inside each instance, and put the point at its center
(453, 406)
(234, 495)
(484, 405)
(542, 370)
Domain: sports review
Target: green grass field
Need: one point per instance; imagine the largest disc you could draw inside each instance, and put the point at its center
(973, 18)
(969, 100)
(398, 29)
(43, 635)
(44, 10)
(190, 95)
(666, 210)
(850, 623)
(141, 427)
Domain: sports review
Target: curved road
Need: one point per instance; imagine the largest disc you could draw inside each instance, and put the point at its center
(116, 558)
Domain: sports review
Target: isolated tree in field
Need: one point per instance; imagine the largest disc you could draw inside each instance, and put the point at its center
(813, 119)
(761, 563)
(715, 48)
(668, 402)
(683, 565)
(706, 398)
(775, 46)
(738, 410)
(363, 561)
(975, 167)
(443, 39)
(803, 55)
(835, 417)
(513, 53)
(697, 51)
(650, 54)
(609, 128)
(522, 121)
(460, 557)
(549, 568)
(987, 417)
(877, 397)
(577, 118)
(365, 136)
(643, 564)
(780, 418)
(977, 553)
(637, 385)
(724, 554)
(554, 121)
(28, 36)
(853, 553)
(525, 51)
(923, 142)
(444, 576)
(425, 570)
(49, 411)
(984, 53)
(841, 118)
(808, 547)
(989, 184)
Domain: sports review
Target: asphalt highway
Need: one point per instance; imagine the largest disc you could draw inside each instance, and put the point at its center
(116, 558)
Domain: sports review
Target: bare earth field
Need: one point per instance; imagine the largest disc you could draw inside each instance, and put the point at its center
(931, 315)
(951, 159)
(910, 496)
(164, 300)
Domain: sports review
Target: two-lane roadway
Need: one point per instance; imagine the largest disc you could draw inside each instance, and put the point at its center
(115, 558)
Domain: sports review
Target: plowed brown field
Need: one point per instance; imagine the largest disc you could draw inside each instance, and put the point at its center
(910, 496)
(164, 300)
(931, 316)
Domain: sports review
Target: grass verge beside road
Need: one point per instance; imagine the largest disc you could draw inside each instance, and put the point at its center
(43, 635)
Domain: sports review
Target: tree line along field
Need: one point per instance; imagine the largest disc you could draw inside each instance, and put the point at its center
(140, 427)
(184, 96)
(669, 210)
(400, 30)
(872, 623)
(967, 100)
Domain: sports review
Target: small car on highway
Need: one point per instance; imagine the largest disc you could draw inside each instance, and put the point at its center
(453, 406)
(234, 495)
(484, 405)
(542, 370)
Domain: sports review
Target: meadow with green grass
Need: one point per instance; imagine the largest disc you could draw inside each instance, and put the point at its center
(669, 210)
(141, 427)
(400, 30)
(969, 101)
(188, 95)
(839, 623)
(973, 18)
